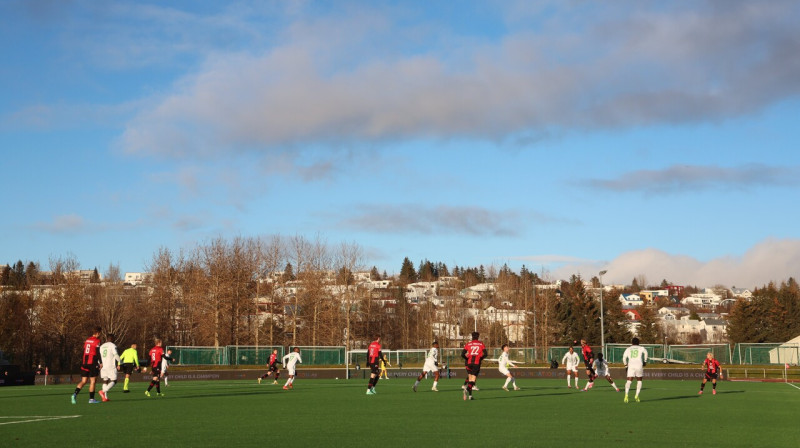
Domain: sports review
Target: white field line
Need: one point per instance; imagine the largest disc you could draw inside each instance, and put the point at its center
(36, 418)
(793, 385)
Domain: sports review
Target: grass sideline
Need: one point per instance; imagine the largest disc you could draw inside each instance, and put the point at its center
(338, 413)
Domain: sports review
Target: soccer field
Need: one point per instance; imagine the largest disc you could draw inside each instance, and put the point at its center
(338, 413)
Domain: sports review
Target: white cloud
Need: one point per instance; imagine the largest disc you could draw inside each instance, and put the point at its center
(325, 82)
(770, 260)
(680, 178)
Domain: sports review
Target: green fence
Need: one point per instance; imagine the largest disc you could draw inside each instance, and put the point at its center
(200, 356)
(752, 354)
(762, 354)
(251, 354)
(321, 356)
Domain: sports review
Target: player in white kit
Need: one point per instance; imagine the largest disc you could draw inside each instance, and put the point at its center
(165, 360)
(110, 359)
(600, 367)
(571, 361)
(431, 366)
(503, 364)
(634, 358)
(289, 363)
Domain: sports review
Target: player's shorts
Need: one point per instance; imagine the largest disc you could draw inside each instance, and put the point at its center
(155, 370)
(430, 366)
(602, 373)
(473, 369)
(127, 368)
(108, 374)
(90, 370)
(375, 368)
(291, 370)
(635, 372)
(711, 376)
(572, 369)
(275, 367)
(504, 371)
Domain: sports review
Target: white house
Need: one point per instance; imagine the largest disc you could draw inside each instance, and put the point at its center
(716, 330)
(137, 278)
(671, 312)
(704, 299)
(630, 300)
(742, 293)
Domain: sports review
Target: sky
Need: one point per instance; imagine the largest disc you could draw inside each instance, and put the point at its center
(653, 140)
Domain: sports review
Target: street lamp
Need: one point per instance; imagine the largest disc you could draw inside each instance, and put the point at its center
(602, 326)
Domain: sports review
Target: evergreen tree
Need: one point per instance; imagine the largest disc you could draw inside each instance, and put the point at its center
(18, 275)
(374, 274)
(32, 274)
(615, 322)
(95, 278)
(5, 276)
(407, 272)
(288, 273)
(648, 330)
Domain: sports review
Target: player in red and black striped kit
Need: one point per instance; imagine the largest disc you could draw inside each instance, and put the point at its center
(274, 366)
(473, 353)
(374, 358)
(588, 360)
(712, 372)
(90, 366)
(156, 355)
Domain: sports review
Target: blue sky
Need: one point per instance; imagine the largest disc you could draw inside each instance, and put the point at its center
(648, 140)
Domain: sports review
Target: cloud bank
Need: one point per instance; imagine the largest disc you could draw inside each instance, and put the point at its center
(681, 178)
(770, 260)
(592, 68)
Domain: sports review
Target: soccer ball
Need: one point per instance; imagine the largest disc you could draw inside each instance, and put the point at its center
(144, 369)
(337, 377)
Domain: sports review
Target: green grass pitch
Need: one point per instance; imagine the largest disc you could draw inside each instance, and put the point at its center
(338, 413)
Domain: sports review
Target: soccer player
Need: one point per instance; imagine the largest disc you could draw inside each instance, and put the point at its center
(110, 360)
(570, 361)
(289, 363)
(473, 353)
(384, 373)
(90, 366)
(128, 359)
(374, 357)
(273, 366)
(634, 358)
(588, 360)
(600, 366)
(504, 363)
(431, 366)
(156, 355)
(712, 371)
(165, 360)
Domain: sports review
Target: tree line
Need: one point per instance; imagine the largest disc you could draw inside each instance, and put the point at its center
(302, 291)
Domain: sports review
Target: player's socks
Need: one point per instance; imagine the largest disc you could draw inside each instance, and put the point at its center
(638, 389)
(158, 387)
(508, 380)
(627, 387)
(569, 381)
(435, 383)
(125, 386)
(91, 395)
(77, 391)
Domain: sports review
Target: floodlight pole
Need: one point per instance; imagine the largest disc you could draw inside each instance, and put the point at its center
(602, 326)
